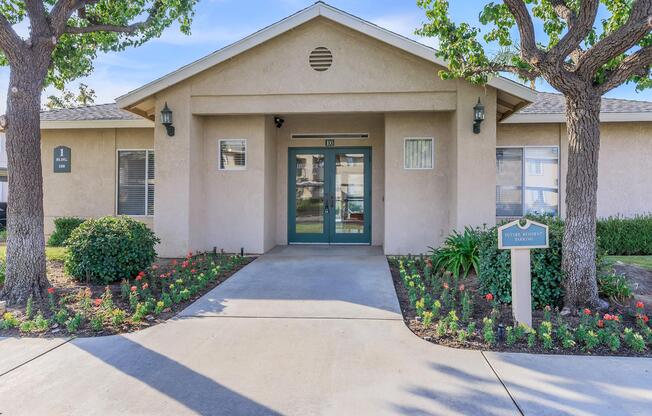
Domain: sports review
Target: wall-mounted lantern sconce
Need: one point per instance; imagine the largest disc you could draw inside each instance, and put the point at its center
(166, 119)
(478, 116)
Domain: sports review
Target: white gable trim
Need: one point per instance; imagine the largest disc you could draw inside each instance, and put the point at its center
(289, 23)
(561, 118)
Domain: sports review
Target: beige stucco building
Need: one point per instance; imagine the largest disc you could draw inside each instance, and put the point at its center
(324, 128)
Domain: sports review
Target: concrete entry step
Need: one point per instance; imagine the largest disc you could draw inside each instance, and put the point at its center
(329, 282)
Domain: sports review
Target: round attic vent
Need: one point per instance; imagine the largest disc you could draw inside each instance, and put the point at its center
(321, 59)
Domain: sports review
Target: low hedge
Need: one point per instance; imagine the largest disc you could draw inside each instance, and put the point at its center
(495, 266)
(619, 236)
(63, 227)
(108, 249)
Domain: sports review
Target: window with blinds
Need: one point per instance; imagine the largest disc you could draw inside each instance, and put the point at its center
(232, 154)
(136, 182)
(419, 153)
(527, 181)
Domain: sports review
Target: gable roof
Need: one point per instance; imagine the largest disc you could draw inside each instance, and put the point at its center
(93, 116)
(551, 108)
(318, 9)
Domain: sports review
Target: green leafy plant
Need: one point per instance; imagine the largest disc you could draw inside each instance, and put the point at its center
(29, 308)
(118, 317)
(97, 323)
(634, 340)
(9, 321)
(620, 236)
(426, 319)
(458, 254)
(467, 307)
(545, 334)
(488, 331)
(107, 249)
(614, 286)
(63, 227)
(74, 323)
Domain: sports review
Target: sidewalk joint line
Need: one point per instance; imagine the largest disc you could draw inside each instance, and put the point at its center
(503, 384)
(34, 358)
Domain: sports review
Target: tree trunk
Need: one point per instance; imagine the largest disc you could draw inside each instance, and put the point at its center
(579, 246)
(26, 271)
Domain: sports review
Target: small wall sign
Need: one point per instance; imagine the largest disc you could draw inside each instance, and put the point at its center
(520, 239)
(62, 159)
(330, 142)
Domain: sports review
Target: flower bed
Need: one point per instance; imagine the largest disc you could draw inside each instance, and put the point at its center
(453, 311)
(153, 296)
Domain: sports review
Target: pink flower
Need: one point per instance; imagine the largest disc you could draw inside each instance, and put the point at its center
(587, 311)
(173, 262)
(98, 302)
(601, 323)
(489, 297)
(163, 276)
(145, 286)
(607, 317)
(51, 290)
(193, 271)
(134, 288)
(154, 267)
(640, 305)
(139, 278)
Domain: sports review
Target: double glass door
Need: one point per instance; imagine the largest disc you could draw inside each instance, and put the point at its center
(329, 195)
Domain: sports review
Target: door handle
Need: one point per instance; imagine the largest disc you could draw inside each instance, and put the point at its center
(326, 207)
(332, 197)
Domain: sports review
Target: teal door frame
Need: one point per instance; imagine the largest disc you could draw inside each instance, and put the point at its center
(329, 234)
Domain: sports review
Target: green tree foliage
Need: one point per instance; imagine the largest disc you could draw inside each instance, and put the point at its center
(68, 99)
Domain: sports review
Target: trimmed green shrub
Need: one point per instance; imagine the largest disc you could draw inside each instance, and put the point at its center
(495, 266)
(108, 249)
(63, 227)
(620, 236)
(3, 272)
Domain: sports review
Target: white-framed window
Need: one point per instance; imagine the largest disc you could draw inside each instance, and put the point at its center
(135, 190)
(419, 153)
(527, 180)
(232, 154)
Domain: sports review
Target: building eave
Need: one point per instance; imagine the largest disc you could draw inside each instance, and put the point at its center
(561, 118)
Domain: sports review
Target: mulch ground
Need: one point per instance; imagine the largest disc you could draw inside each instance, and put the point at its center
(483, 308)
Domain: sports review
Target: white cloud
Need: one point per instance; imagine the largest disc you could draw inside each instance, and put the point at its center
(405, 25)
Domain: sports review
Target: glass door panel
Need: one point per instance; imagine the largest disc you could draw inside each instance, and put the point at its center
(309, 195)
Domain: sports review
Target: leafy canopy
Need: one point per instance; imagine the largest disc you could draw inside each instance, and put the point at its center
(466, 47)
(95, 26)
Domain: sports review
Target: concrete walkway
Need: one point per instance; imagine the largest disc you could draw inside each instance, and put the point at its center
(305, 331)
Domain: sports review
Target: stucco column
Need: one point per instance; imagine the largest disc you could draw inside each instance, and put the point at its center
(473, 160)
(178, 182)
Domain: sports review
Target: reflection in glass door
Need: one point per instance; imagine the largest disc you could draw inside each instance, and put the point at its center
(329, 196)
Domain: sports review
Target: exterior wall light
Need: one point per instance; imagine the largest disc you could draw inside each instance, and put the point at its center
(478, 116)
(166, 119)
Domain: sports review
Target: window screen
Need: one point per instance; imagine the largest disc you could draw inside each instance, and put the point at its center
(419, 153)
(527, 181)
(136, 182)
(233, 154)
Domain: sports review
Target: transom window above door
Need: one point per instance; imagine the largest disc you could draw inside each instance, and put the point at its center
(527, 181)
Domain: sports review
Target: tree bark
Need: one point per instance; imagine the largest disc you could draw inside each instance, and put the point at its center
(579, 246)
(26, 270)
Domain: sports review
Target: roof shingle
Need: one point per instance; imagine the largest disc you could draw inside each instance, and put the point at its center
(551, 103)
(89, 113)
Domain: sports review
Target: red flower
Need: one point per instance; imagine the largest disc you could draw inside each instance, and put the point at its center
(51, 290)
(645, 318)
(640, 305)
(98, 302)
(489, 297)
(163, 276)
(134, 288)
(145, 286)
(616, 318)
(587, 311)
(142, 274)
(601, 323)
(184, 264)
(139, 278)
(608, 317)
(189, 255)
(193, 271)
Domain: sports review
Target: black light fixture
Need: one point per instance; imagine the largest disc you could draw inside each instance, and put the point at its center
(278, 121)
(166, 119)
(478, 116)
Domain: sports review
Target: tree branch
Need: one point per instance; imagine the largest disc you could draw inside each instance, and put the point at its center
(579, 26)
(636, 64)
(10, 42)
(529, 50)
(638, 25)
(38, 17)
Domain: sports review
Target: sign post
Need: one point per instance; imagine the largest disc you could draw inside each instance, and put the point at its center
(520, 239)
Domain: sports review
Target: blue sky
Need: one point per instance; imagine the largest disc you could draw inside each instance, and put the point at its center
(221, 22)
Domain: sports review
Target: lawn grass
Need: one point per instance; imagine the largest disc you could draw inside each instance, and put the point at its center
(640, 261)
(52, 253)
